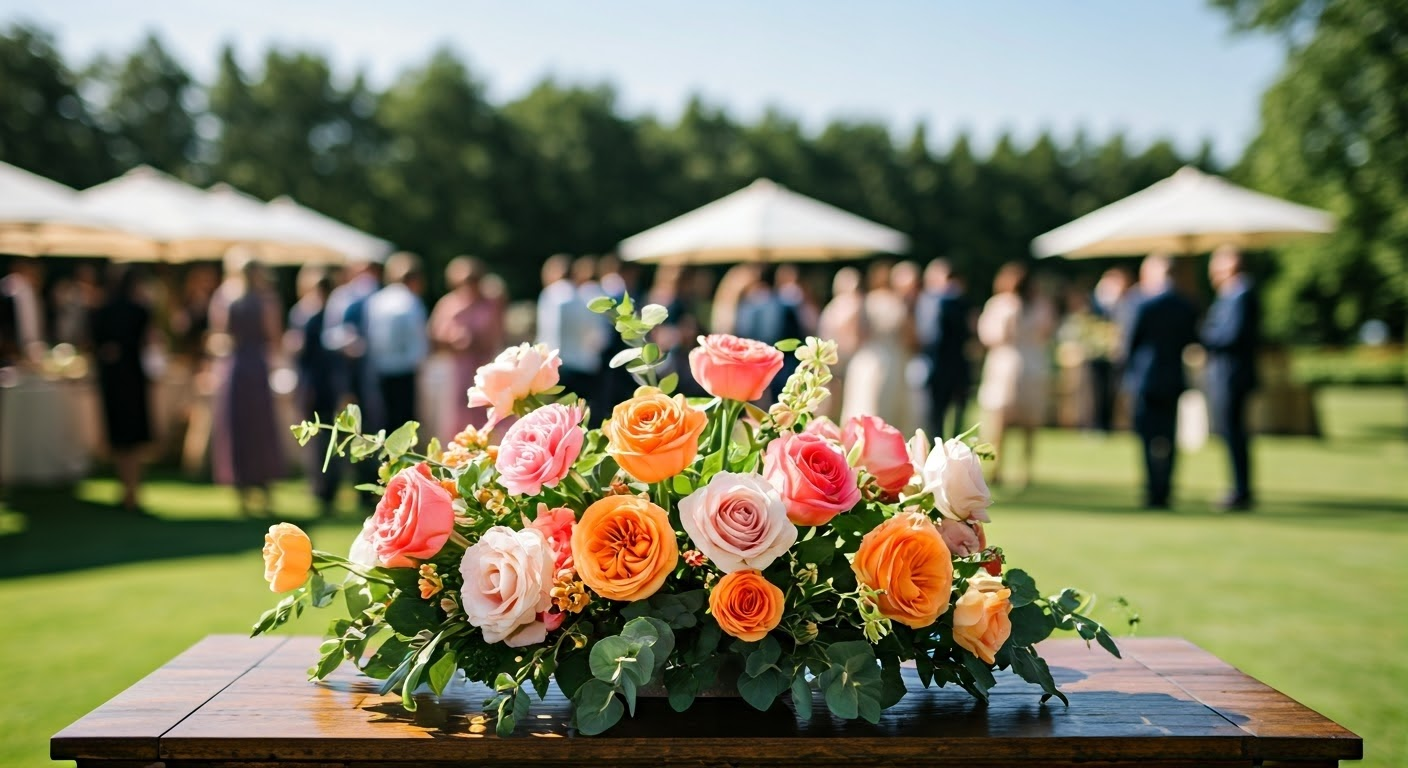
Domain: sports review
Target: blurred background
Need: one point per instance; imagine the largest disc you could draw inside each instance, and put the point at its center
(511, 134)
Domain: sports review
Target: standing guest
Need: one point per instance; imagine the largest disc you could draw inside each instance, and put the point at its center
(943, 329)
(842, 321)
(558, 289)
(766, 316)
(1231, 336)
(578, 334)
(905, 280)
(794, 293)
(678, 334)
(1163, 324)
(345, 333)
(22, 287)
(397, 342)
(320, 384)
(1016, 326)
(723, 315)
(120, 329)
(875, 382)
(467, 326)
(247, 447)
(1113, 301)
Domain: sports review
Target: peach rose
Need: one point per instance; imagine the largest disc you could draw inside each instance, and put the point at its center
(413, 519)
(883, 451)
(288, 556)
(733, 368)
(746, 605)
(654, 436)
(907, 559)
(981, 622)
(539, 449)
(515, 374)
(556, 525)
(508, 577)
(812, 476)
(624, 548)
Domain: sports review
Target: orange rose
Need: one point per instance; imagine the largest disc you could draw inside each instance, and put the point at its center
(980, 617)
(653, 436)
(746, 605)
(906, 558)
(624, 547)
(288, 554)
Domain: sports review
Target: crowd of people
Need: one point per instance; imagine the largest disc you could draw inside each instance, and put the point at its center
(909, 343)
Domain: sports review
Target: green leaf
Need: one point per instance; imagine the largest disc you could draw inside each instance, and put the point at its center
(682, 485)
(1023, 588)
(852, 685)
(322, 591)
(683, 687)
(606, 657)
(765, 656)
(761, 691)
(1030, 625)
(654, 314)
(981, 674)
(626, 307)
(627, 684)
(892, 683)
(788, 345)
(819, 549)
(802, 694)
(650, 354)
(350, 420)
(669, 383)
(387, 658)
(662, 639)
(1108, 643)
(596, 707)
(624, 356)
(441, 672)
(705, 644)
(573, 671)
(357, 595)
(924, 665)
(408, 614)
(1032, 668)
(601, 304)
(402, 440)
(329, 658)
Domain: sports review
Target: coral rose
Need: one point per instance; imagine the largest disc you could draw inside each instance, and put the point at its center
(733, 368)
(539, 449)
(738, 521)
(954, 474)
(654, 436)
(906, 557)
(508, 577)
(556, 525)
(981, 621)
(413, 519)
(746, 605)
(288, 555)
(515, 374)
(883, 451)
(624, 548)
(812, 476)
(825, 427)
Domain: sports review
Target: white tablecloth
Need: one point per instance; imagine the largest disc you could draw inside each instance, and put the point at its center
(46, 429)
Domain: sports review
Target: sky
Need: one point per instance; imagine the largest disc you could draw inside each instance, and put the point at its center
(1153, 69)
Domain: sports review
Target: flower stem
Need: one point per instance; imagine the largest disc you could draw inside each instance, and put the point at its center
(459, 539)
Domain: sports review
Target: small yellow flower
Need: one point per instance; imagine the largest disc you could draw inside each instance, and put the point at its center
(430, 582)
(569, 594)
(472, 438)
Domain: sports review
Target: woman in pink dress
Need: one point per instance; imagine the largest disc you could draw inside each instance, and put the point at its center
(467, 328)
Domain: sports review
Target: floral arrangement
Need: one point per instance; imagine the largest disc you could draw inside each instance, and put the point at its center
(686, 544)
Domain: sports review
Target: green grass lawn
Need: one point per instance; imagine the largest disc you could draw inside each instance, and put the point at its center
(1310, 593)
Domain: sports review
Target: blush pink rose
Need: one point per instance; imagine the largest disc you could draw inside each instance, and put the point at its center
(812, 476)
(738, 521)
(954, 474)
(539, 449)
(733, 368)
(413, 519)
(883, 451)
(825, 427)
(516, 373)
(508, 579)
(963, 537)
(556, 525)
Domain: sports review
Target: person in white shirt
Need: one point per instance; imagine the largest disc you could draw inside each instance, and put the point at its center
(557, 290)
(396, 337)
(581, 335)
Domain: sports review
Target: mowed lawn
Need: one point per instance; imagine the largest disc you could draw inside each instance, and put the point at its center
(1309, 593)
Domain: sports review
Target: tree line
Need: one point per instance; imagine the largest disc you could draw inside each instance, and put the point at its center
(430, 163)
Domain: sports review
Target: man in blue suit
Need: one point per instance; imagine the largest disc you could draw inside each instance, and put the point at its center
(1163, 324)
(1231, 334)
(943, 325)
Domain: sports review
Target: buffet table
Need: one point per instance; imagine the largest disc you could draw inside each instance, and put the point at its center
(235, 701)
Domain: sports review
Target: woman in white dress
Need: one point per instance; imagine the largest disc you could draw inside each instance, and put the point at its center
(1016, 327)
(875, 381)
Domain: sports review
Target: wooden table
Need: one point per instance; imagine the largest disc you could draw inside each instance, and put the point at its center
(234, 701)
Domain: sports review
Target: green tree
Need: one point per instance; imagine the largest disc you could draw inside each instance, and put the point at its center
(1332, 130)
(143, 105)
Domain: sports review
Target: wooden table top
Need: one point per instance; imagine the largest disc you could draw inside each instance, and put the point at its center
(231, 700)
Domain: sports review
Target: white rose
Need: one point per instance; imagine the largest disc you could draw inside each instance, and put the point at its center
(954, 474)
(508, 578)
(363, 551)
(516, 373)
(738, 521)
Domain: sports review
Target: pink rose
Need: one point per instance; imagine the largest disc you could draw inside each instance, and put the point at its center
(539, 449)
(515, 374)
(883, 451)
(812, 476)
(508, 578)
(963, 538)
(733, 368)
(738, 521)
(413, 519)
(825, 427)
(954, 475)
(556, 527)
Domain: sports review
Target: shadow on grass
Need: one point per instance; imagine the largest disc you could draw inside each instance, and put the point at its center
(56, 533)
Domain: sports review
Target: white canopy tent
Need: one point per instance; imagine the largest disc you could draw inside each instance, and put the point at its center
(328, 232)
(1189, 212)
(279, 241)
(762, 222)
(39, 217)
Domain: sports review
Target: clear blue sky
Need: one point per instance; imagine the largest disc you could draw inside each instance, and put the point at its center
(1166, 68)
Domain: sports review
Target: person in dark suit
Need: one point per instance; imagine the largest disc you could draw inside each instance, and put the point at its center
(1230, 335)
(1163, 324)
(944, 329)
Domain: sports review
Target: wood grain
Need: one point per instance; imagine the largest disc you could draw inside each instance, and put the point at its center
(1166, 704)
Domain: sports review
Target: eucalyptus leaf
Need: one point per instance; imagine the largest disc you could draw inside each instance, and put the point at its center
(596, 707)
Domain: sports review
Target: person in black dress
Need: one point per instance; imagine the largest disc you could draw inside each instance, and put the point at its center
(119, 330)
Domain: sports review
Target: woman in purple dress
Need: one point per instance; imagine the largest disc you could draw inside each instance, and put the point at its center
(247, 449)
